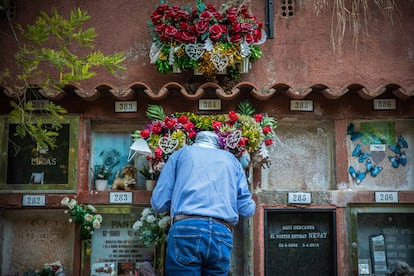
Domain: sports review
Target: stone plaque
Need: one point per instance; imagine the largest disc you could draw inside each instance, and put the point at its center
(31, 238)
(115, 245)
(300, 242)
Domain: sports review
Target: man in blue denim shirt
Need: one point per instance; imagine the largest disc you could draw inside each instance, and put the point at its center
(205, 189)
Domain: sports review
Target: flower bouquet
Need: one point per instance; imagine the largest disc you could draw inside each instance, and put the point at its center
(85, 215)
(205, 39)
(152, 227)
(242, 133)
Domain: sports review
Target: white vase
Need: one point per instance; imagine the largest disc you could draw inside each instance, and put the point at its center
(101, 184)
(244, 65)
(149, 184)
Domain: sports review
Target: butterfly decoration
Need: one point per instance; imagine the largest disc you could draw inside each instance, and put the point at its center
(400, 158)
(357, 176)
(374, 170)
(362, 156)
(355, 135)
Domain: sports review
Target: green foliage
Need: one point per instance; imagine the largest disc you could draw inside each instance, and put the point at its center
(155, 112)
(245, 108)
(53, 42)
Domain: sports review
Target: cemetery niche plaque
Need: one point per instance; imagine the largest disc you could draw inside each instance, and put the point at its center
(300, 242)
(384, 236)
(29, 168)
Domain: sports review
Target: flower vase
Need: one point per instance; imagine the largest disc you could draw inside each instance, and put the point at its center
(176, 68)
(244, 65)
(159, 258)
(101, 184)
(197, 71)
(150, 184)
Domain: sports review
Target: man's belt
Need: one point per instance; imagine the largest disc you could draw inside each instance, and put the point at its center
(221, 221)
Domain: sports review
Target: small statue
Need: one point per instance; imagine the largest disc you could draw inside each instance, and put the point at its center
(127, 182)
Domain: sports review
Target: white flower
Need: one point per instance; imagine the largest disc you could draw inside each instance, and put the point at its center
(98, 217)
(151, 218)
(70, 220)
(146, 212)
(137, 225)
(96, 224)
(72, 203)
(164, 222)
(88, 217)
(65, 201)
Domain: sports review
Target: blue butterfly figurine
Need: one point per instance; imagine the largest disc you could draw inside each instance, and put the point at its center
(360, 176)
(355, 135)
(402, 143)
(352, 172)
(394, 161)
(375, 171)
(357, 150)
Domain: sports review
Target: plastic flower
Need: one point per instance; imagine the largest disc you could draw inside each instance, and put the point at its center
(85, 215)
(152, 227)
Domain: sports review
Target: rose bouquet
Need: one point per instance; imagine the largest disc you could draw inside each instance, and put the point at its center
(239, 132)
(85, 215)
(205, 39)
(152, 227)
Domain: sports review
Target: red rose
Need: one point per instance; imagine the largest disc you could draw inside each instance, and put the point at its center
(246, 27)
(201, 27)
(217, 125)
(233, 116)
(267, 130)
(170, 32)
(182, 119)
(169, 122)
(156, 127)
(250, 39)
(188, 126)
(268, 142)
(145, 134)
(243, 141)
(188, 37)
(235, 38)
(191, 134)
(216, 32)
(258, 118)
(162, 8)
(205, 16)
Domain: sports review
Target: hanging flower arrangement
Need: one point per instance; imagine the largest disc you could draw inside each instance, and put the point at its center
(85, 215)
(243, 133)
(205, 39)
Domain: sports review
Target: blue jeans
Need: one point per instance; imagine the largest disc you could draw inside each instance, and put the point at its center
(198, 246)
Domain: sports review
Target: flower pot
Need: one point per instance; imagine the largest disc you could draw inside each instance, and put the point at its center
(150, 184)
(244, 65)
(101, 184)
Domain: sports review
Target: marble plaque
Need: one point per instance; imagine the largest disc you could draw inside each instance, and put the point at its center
(31, 238)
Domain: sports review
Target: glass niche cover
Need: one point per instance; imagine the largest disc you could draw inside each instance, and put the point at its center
(25, 167)
(383, 240)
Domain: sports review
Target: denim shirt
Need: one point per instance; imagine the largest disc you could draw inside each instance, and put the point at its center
(203, 181)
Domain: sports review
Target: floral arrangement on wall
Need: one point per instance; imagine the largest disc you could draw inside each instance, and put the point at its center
(244, 133)
(85, 215)
(206, 39)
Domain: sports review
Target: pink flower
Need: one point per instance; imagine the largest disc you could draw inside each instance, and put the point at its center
(158, 154)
